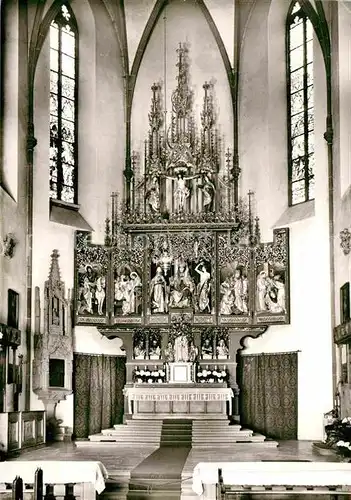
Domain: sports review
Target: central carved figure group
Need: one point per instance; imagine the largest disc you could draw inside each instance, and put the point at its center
(174, 287)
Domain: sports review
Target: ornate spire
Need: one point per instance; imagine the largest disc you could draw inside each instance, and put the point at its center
(207, 113)
(182, 95)
(155, 115)
(54, 274)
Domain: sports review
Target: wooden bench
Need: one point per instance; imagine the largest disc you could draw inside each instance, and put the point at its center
(236, 492)
(51, 480)
(18, 490)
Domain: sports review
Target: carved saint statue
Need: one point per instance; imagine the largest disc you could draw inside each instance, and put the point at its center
(227, 301)
(166, 258)
(240, 292)
(234, 291)
(280, 287)
(261, 287)
(139, 350)
(203, 288)
(158, 292)
(222, 350)
(152, 194)
(181, 348)
(208, 192)
(182, 286)
(128, 290)
(194, 352)
(100, 294)
(207, 349)
(154, 350)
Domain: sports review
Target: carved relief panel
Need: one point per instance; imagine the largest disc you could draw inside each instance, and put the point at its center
(207, 274)
(271, 274)
(92, 265)
(182, 271)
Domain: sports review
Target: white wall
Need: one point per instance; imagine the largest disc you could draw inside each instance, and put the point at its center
(263, 159)
(100, 155)
(13, 172)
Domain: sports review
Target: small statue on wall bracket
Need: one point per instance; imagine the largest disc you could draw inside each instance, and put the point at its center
(345, 243)
(7, 245)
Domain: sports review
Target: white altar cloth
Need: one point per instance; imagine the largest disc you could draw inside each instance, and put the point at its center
(56, 472)
(272, 474)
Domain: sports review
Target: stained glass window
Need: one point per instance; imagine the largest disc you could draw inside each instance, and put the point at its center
(63, 107)
(300, 106)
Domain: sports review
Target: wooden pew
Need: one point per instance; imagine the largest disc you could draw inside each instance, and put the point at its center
(238, 492)
(17, 490)
(66, 480)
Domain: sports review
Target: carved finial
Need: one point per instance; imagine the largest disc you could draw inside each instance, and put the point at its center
(155, 115)
(182, 95)
(54, 274)
(207, 114)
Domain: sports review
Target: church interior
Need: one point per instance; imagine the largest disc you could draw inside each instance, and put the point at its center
(175, 237)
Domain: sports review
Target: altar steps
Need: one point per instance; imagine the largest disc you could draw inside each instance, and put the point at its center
(145, 434)
(178, 433)
(210, 434)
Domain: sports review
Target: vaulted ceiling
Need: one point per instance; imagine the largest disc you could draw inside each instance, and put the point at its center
(139, 13)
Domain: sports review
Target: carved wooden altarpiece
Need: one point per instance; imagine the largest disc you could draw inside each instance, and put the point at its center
(182, 246)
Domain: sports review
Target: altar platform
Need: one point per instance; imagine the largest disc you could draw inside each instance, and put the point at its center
(177, 401)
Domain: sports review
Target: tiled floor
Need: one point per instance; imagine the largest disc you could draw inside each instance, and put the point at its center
(120, 461)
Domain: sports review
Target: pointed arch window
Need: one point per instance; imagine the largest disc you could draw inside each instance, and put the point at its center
(63, 106)
(301, 159)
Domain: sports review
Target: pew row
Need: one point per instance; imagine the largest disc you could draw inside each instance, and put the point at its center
(71, 480)
(233, 480)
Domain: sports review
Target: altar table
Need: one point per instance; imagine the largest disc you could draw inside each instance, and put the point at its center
(205, 475)
(91, 475)
(171, 401)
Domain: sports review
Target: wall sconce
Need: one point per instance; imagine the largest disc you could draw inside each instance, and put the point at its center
(7, 245)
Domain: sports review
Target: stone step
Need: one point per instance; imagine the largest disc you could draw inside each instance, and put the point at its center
(177, 432)
(247, 436)
(127, 432)
(215, 439)
(177, 427)
(176, 439)
(129, 437)
(176, 444)
(221, 437)
(153, 495)
(135, 439)
(141, 428)
(143, 423)
(213, 424)
(101, 445)
(239, 444)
